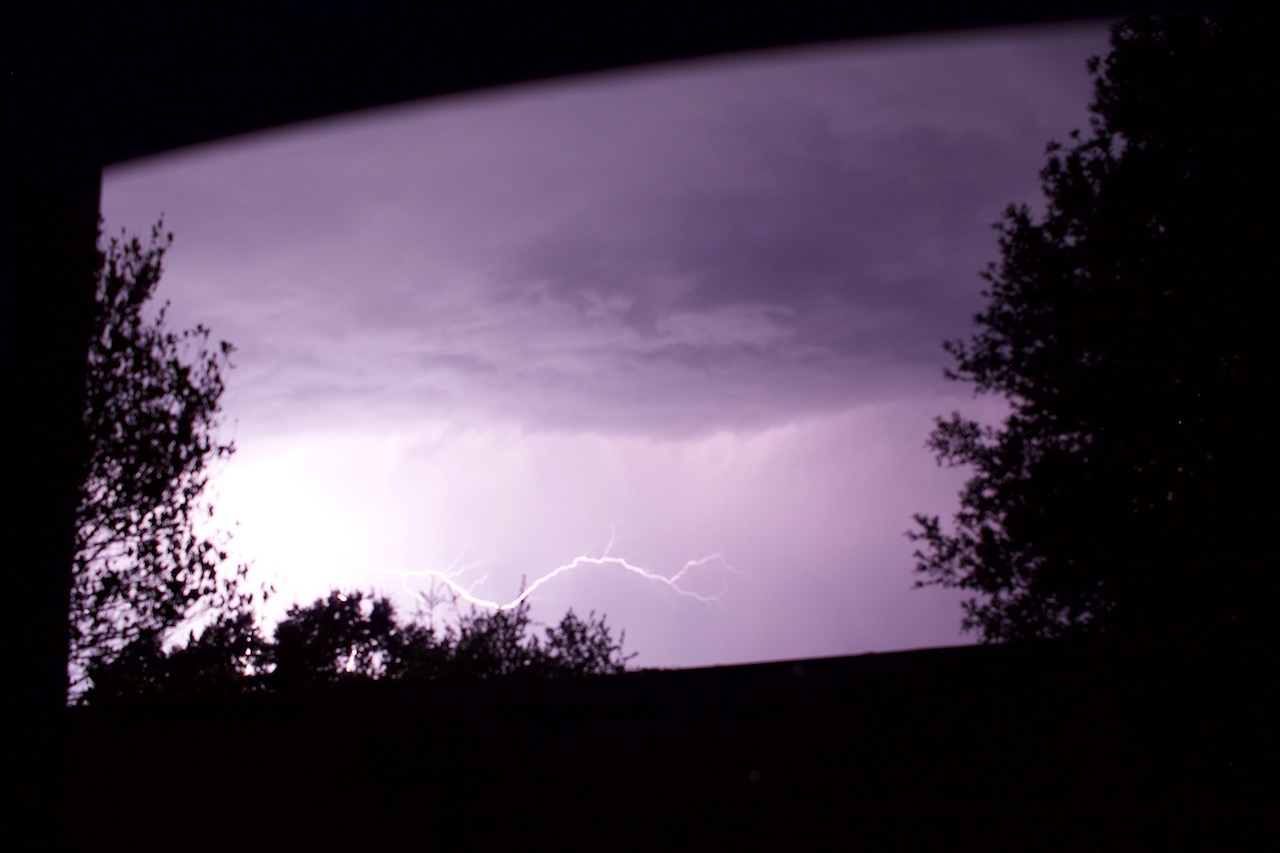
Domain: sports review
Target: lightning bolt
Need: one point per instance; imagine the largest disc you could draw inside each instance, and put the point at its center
(451, 577)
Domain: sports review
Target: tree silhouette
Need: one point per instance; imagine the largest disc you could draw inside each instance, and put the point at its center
(341, 634)
(151, 405)
(419, 653)
(1123, 493)
(496, 645)
(350, 637)
(578, 647)
(227, 659)
(500, 644)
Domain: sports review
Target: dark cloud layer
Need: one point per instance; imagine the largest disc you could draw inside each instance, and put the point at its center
(672, 250)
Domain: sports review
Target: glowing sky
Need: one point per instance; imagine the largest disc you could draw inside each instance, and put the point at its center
(698, 308)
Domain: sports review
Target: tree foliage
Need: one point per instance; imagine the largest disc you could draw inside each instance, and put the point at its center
(352, 636)
(151, 410)
(223, 661)
(1123, 492)
(335, 636)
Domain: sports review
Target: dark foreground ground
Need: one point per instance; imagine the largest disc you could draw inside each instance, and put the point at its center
(965, 748)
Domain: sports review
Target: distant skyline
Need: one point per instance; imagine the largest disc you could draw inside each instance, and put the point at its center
(696, 309)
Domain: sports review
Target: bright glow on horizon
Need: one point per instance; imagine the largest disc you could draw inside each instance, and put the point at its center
(396, 512)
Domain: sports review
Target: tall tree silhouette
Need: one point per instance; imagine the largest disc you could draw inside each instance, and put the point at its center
(1125, 491)
(151, 408)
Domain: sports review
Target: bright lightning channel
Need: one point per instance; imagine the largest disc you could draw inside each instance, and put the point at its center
(452, 574)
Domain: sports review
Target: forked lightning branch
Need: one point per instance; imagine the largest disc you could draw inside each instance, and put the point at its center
(453, 578)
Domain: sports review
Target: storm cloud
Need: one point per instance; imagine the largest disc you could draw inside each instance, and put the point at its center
(700, 304)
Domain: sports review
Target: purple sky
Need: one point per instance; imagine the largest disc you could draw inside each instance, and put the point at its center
(696, 307)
